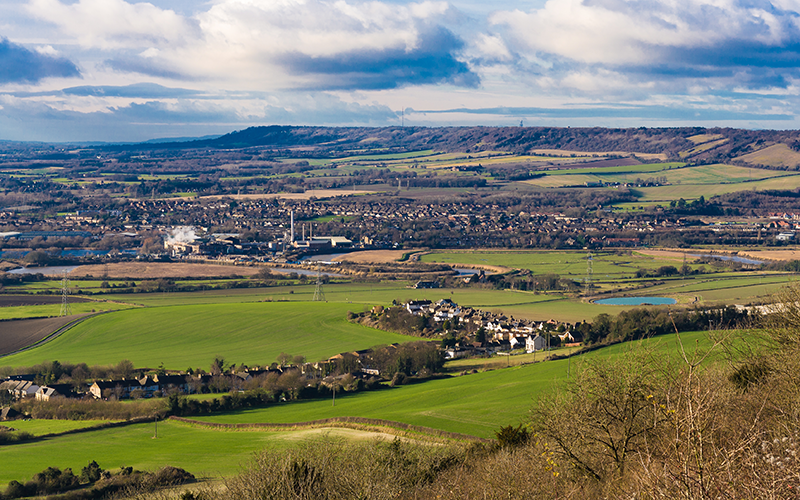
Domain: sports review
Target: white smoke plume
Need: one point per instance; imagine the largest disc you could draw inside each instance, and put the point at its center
(181, 234)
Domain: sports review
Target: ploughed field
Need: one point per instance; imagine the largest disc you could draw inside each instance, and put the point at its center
(21, 333)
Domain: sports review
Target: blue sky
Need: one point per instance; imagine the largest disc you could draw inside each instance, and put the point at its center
(117, 70)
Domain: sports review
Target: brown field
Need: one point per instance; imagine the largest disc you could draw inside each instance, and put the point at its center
(33, 300)
(784, 254)
(155, 270)
(376, 256)
(20, 333)
(777, 155)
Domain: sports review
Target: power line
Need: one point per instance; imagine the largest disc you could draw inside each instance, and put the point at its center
(66, 309)
(319, 293)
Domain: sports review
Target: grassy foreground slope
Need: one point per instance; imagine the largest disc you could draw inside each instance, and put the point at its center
(476, 404)
(191, 336)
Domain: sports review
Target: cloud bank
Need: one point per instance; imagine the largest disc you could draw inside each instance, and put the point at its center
(20, 65)
(214, 65)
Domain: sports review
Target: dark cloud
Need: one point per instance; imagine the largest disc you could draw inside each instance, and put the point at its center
(433, 61)
(24, 119)
(20, 65)
(620, 111)
(140, 90)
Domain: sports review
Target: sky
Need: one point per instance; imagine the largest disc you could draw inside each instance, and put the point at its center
(117, 70)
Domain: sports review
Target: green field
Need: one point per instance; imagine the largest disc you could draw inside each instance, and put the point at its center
(205, 453)
(191, 336)
(676, 174)
(563, 263)
(476, 404)
(42, 427)
(52, 310)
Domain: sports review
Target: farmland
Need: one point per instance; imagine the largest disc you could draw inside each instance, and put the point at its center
(183, 336)
(475, 404)
(699, 180)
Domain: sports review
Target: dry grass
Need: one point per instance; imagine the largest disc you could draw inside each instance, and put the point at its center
(21, 333)
(777, 155)
(702, 148)
(784, 254)
(703, 138)
(155, 270)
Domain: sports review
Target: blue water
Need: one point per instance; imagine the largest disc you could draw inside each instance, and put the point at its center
(731, 258)
(43, 270)
(635, 301)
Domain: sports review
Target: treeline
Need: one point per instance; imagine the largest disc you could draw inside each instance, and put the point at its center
(639, 323)
(94, 483)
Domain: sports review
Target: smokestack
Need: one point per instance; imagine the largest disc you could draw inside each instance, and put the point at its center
(292, 219)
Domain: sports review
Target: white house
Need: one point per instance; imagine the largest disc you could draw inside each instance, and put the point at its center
(536, 343)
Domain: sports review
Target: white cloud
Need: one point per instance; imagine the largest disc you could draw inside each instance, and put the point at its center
(111, 24)
(47, 50)
(492, 47)
(632, 32)
(241, 41)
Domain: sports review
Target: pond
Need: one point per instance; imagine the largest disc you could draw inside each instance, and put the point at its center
(731, 258)
(48, 271)
(636, 301)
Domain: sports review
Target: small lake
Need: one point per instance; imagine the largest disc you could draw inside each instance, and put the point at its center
(43, 270)
(462, 271)
(731, 258)
(636, 301)
(329, 257)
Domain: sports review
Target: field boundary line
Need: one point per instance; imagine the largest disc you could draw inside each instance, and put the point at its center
(357, 423)
(55, 334)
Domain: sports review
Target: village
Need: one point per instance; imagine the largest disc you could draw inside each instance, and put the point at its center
(482, 334)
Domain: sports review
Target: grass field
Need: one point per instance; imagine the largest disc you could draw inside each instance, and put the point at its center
(476, 404)
(42, 427)
(689, 191)
(563, 263)
(191, 336)
(53, 310)
(205, 453)
(675, 173)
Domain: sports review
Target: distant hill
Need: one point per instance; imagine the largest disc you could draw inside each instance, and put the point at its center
(762, 148)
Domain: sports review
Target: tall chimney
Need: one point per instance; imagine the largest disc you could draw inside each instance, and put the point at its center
(292, 236)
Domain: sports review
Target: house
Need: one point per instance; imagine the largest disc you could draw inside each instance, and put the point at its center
(566, 338)
(418, 306)
(171, 383)
(118, 388)
(518, 341)
(533, 344)
(52, 391)
(426, 284)
(20, 388)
